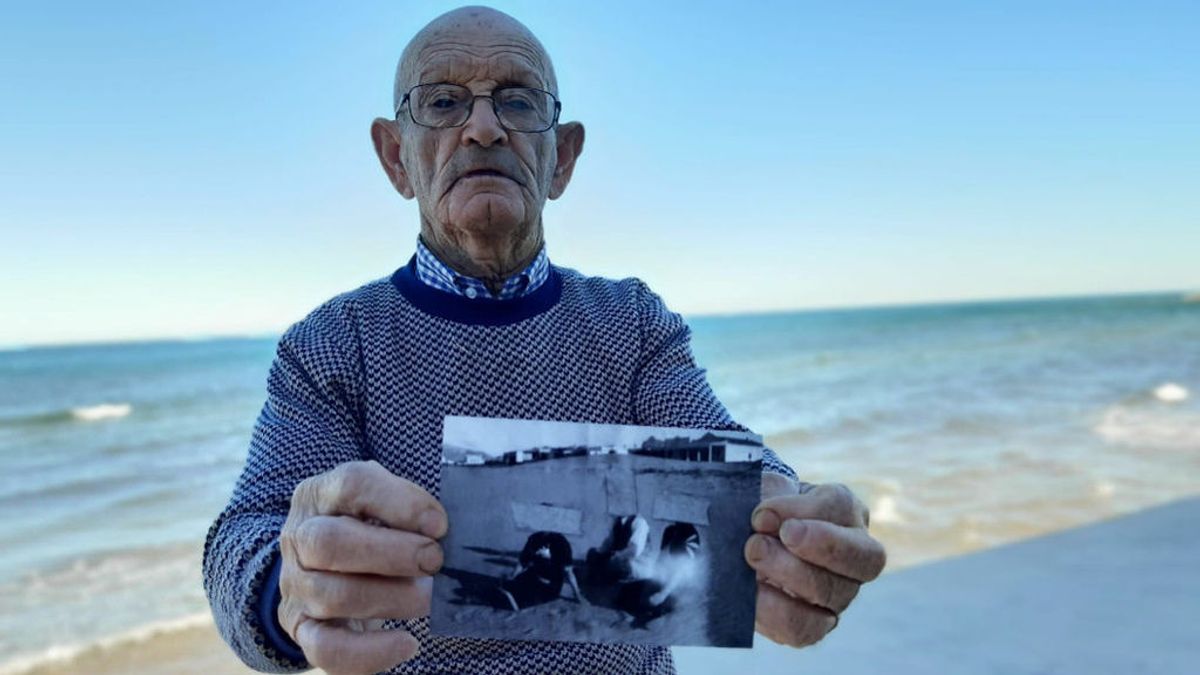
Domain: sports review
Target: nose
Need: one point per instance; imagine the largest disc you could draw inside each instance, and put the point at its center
(483, 127)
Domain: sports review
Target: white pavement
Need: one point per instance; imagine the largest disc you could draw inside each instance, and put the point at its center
(1120, 596)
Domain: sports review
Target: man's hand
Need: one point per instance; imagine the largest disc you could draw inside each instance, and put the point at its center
(358, 545)
(811, 552)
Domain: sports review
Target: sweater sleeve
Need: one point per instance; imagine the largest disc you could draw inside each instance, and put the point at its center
(308, 425)
(670, 389)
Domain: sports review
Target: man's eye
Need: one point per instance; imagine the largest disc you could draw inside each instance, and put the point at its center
(443, 103)
(518, 101)
(518, 105)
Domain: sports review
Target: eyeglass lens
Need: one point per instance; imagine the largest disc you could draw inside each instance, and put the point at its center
(449, 105)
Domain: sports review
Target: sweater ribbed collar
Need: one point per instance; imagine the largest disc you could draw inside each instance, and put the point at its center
(482, 311)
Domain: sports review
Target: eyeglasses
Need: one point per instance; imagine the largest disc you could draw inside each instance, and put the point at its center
(442, 105)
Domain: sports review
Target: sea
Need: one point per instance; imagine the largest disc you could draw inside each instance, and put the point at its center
(961, 426)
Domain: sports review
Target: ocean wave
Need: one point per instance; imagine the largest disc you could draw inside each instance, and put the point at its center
(1148, 427)
(104, 571)
(88, 413)
(883, 510)
(1169, 392)
(77, 655)
(102, 411)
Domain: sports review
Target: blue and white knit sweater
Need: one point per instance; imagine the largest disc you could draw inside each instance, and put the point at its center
(371, 373)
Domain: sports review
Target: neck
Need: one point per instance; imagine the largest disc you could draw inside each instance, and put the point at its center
(491, 263)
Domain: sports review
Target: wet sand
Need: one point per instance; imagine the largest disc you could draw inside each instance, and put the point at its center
(196, 650)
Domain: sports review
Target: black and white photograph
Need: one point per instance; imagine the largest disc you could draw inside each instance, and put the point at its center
(596, 533)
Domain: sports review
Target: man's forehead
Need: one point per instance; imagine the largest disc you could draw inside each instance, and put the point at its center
(458, 62)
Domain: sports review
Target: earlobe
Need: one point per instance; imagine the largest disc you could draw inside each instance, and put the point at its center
(570, 146)
(385, 135)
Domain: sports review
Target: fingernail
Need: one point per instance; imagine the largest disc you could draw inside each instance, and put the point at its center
(791, 532)
(432, 524)
(765, 520)
(429, 558)
(757, 548)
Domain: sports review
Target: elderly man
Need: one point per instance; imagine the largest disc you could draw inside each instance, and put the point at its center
(333, 526)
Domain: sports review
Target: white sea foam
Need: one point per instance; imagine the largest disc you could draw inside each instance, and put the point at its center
(1103, 489)
(101, 411)
(1169, 392)
(109, 571)
(64, 654)
(884, 510)
(1149, 428)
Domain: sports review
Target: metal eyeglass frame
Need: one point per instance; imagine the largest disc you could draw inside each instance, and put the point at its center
(471, 108)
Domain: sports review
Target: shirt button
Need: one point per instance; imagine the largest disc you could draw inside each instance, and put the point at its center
(471, 293)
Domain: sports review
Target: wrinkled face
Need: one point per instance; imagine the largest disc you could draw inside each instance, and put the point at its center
(479, 181)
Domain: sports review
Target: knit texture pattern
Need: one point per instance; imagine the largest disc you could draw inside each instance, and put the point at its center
(369, 375)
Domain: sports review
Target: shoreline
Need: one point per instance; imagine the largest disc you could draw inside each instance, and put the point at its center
(187, 645)
(873, 633)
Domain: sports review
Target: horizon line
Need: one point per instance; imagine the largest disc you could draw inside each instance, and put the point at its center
(1185, 296)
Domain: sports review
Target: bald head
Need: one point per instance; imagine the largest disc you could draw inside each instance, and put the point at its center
(456, 39)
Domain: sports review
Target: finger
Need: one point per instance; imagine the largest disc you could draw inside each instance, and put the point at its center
(797, 578)
(332, 595)
(366, 490)
(831, 502)
(342, 651)
(345, 544)
(789, 621)
(848, 551)
(777, 485)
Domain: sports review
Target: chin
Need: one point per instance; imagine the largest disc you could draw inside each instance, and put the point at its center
(490, 215)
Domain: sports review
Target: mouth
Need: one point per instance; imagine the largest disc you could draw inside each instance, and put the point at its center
(483, 178)
(484, 173)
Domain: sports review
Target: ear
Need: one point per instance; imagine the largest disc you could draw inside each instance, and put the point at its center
(570, 146)
(385, 134)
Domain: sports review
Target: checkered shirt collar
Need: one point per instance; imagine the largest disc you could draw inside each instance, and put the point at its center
(433, 272)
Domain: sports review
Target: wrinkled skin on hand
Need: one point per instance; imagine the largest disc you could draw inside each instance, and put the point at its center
(812, 553)
(359, 546)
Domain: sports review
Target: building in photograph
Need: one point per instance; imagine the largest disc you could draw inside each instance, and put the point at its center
(708, 448)
(537, 454)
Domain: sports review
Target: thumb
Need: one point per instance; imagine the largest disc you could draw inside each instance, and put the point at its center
(777, 485)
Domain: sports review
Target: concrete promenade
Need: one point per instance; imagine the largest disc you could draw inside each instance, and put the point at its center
(1120, 597)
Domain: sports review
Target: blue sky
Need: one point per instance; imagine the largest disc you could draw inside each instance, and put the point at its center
(183, 169)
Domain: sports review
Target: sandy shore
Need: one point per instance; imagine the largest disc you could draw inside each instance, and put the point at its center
(196, 650)
(1120, 596)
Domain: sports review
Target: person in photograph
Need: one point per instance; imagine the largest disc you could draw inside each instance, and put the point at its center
(647, 593)
(623, 555)
(677, 566)
(333, 526)
(544, 564)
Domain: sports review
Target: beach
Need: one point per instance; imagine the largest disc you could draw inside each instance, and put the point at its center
(193, 649)
(1125, 600)
(970, 430)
